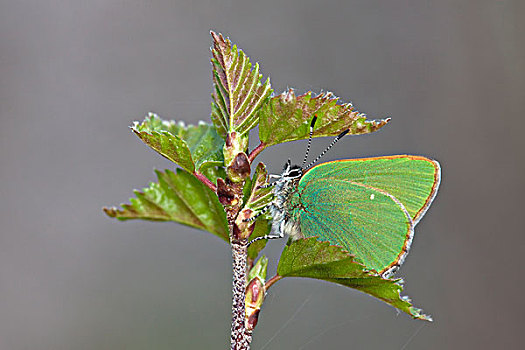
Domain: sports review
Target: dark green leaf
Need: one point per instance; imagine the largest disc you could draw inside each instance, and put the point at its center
(192, 147)
(212, 173)
(238, 92)
(287, 118)
(262, 227)
(176, 197)
(319, 260)
(246, 190)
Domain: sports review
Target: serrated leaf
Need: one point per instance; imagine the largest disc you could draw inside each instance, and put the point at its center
(238, 92)
(259, 197)
(178, 197)
(287, 117)
(313, 259)
(192, 146)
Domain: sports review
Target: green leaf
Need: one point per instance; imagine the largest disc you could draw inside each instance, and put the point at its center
(178, 197)
(287, 118)
(259, 197)
(192, 147)
(212, 173)
(262, 227)
(259, 270)
(238, 92)
(319, 260)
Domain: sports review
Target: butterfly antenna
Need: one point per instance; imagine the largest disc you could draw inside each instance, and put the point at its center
(309, 140)
(337, 138)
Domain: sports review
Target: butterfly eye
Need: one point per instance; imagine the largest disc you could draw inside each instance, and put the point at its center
(295, 173)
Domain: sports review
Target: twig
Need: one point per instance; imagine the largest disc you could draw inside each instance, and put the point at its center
(271, 281)
(205, 180)
(240, 337)
(256, 152)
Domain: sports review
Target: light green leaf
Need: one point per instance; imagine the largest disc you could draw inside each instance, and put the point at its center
(259, 197)
(192, 147)
(238, 92)
(178, 197)
(287, 117)
(259, 270)
(313, 259)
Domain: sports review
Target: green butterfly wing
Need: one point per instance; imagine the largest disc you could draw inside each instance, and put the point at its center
(368, 206)
(413, 180)
(367, 222)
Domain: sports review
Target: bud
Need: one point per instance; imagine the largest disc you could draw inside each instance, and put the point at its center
(242, 228)
(235, 144)
(239, 169)
(255, 292)
(225, 193)
(254, 299)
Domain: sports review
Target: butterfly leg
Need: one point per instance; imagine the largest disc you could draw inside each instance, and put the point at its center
(267, 185)
(253, 218)
(269, 236)
(274, 207)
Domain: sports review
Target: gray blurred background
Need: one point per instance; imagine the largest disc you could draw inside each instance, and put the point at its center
(74, 75)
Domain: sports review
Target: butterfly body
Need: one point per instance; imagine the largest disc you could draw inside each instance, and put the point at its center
(286, 220)
(368, 206)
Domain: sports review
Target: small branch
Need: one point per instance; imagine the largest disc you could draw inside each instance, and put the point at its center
(205, 180)
(256, 152)
(240, 336)
(271, 281)
(230, 194)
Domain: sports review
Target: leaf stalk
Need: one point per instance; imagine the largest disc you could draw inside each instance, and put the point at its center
(205, 180)
(271, 281)
(255, 152)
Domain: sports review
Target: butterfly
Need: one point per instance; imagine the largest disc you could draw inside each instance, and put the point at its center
(368, 206)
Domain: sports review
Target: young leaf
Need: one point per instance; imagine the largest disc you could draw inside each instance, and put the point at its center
(256, 198)
(319, 260)
(176, 197)
(287, 118)
(259, 197)
(192, 147)
(259, 270)
(238, 92)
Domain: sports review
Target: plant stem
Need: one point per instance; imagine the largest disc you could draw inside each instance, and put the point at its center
(271, 281)
(240, 337)
(255, 152)
(205, 180)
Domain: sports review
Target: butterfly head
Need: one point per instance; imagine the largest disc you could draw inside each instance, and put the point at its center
(291, 172)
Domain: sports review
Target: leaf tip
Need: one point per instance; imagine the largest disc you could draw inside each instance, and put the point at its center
(111, 212)
(419, 315)
(214, 35)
